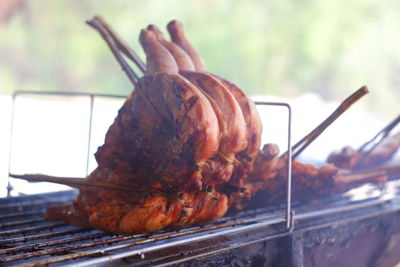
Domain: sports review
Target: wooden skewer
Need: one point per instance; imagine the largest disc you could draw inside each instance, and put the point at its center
(75, 182)
(309, 138)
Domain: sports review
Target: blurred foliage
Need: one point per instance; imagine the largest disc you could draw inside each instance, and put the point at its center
(283, 48)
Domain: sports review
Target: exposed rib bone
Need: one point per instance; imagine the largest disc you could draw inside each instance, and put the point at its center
(121, 44)
(158, 58)
(175, 29)
(110, 41)
(183, 60)
(74, 182)
(347, 179)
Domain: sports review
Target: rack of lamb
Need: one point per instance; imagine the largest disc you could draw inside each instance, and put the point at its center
(185, 147)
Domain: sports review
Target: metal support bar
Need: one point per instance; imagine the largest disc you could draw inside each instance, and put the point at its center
(9, 187)
(89, 133)
(289, 219)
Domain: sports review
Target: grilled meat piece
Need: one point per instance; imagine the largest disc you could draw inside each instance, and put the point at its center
(164, 131)
(126, 212)
(233, 140)
(248, 156)
(349, 158)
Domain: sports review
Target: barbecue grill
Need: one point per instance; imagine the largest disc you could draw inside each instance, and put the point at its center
(359, 228)
(355, 233)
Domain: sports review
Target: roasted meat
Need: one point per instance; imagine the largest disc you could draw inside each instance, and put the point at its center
(185, 147)
(176, 141)
(166, 125)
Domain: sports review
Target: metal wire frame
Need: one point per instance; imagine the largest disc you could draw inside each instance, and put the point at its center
(289, 213)
(92, 96)
(55, 93)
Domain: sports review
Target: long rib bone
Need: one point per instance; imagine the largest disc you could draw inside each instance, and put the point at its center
(175, 29)
(133, 77)
(75, 182)
(182, 58)
(345, 179)
(121, 44)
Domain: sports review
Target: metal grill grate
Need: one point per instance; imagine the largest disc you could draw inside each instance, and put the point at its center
(30, 240)
(27, 239)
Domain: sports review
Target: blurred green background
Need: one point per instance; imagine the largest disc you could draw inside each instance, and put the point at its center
(280, 48)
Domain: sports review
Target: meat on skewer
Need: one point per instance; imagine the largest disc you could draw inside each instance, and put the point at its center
(311, 182)
(367, 156)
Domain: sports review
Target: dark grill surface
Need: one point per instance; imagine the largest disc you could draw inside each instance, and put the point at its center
(27, 239)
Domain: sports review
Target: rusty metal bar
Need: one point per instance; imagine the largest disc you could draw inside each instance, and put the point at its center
(270, 220)
(243, 244)
(239, 227)
(21, 222)
(128, 244)
(142, 251)
(273, 218)
(71, 247)
(36, 246)
(222, 250)
(42, 236)
(37, 203)
(32, 229)
(64, 249)
(20, 214)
